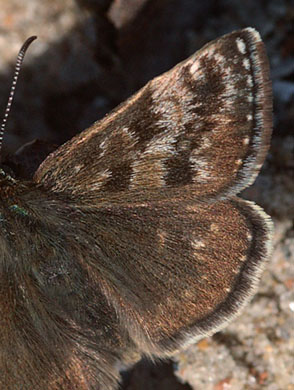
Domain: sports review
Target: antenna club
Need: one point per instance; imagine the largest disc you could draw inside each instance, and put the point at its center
(27, 43)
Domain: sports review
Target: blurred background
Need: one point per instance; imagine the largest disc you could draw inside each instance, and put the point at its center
(91, 55)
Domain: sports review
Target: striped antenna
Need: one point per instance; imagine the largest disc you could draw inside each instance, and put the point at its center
(19, 61)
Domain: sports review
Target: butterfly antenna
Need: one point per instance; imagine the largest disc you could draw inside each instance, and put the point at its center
(18, 63)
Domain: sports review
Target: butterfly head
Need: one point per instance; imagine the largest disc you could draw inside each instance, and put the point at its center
(10, 195)
(7, 183)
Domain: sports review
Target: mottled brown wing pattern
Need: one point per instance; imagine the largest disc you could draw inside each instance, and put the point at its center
(179, 272)
(199, 131)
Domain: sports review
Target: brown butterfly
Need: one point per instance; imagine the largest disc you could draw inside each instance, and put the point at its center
(130, 239)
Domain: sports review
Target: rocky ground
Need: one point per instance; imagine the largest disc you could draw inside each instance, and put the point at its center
(90, 55)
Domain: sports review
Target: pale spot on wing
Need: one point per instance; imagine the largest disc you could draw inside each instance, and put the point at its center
(205, 143)
(173, 114)
(238, 162)
(214, 227)
(249, 236)
(246, 140)
(162, 237)
(77, 168)
(246, 63)
(130, 134)
(161, 146)
(125, 130)
(249, 81)
(197, 244)
(199, 163)
(220, 59)
(201, 167)
(249, 117)
(243, 258)
(127, 139)
(241, 45)
(190, 208)
(103, 145)
(170, 113)
(197, 69)
(101, 179)
(250, 98)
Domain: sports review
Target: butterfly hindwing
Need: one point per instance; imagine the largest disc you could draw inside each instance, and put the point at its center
(176, 272)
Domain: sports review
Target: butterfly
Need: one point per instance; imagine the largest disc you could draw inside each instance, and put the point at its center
(130, 240)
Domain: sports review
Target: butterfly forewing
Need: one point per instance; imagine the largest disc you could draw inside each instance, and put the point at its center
(199, 131)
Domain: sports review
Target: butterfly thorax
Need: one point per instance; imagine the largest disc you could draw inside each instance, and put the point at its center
(42, 264)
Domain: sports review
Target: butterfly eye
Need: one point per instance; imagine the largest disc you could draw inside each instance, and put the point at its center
(7, 172)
